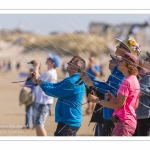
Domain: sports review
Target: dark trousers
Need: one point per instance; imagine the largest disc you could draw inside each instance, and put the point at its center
(65, 130)
(143, 127)
(107, 128)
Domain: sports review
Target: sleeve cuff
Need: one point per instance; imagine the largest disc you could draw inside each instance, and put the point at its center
(43, 84)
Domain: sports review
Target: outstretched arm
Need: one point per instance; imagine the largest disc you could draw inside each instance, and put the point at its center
(114, 103)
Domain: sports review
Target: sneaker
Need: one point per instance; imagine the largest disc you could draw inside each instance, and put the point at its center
(25, 127)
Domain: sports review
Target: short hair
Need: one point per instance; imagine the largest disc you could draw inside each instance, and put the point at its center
(81, 62)
(132, 70)
(52, 61)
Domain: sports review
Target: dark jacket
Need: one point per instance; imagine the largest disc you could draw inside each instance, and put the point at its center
(142, 111)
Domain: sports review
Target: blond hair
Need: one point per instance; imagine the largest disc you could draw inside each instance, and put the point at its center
(132, 70)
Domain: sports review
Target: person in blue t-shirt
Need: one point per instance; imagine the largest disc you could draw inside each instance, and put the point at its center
(70, 93)
(93, 71)
(30, 106)
(113, 82)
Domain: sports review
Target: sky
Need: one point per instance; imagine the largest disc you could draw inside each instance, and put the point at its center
(47, 23)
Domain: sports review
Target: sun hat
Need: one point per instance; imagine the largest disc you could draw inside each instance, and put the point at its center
(130, 58)
(55, 59)
(131, 44)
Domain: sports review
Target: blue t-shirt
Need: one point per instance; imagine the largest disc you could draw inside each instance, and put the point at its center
(112, 84)
(30, 84)
(91, 74)
(70, 95)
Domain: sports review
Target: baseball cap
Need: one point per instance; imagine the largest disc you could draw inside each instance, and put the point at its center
(131, 44)
(55, 59)
(130, 58)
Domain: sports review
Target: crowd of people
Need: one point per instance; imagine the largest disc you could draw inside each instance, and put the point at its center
(5, 65)
(124, 99)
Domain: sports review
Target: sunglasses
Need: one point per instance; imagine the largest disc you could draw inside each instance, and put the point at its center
(74, 62)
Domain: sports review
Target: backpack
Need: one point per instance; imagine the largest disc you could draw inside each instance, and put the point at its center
(26, 96)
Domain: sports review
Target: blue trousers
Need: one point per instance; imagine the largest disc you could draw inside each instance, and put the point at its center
(29, 114)
(98, 129)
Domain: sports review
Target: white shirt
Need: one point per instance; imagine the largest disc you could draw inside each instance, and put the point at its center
(41, 97)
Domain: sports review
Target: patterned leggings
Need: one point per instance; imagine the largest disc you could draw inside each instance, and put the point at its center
(122, 129)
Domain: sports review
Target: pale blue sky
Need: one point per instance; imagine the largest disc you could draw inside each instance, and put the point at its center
(46, 23)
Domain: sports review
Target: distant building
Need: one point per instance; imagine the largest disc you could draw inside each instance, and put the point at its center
(5, 32)
(98, 28)
(79, 32)
(141, 32)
